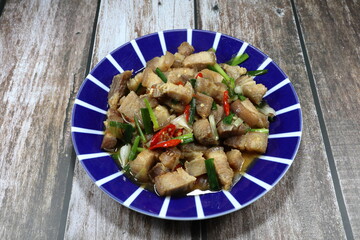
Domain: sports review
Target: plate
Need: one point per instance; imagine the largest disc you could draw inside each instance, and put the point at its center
(90, 108)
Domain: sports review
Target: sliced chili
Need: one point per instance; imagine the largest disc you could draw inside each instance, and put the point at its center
(166, 144)
(163, 135)
(226, 104)
(187, 112)
(198, 75)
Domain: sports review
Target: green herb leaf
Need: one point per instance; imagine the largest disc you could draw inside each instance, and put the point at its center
(213, 106)
(128, 129)
(161, 75)
(257, 72)
(193, 82)
(228, 119)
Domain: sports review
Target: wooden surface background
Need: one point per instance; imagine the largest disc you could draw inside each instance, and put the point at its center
(46, 50)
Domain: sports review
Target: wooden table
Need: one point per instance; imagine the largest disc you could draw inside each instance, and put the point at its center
(47, 49)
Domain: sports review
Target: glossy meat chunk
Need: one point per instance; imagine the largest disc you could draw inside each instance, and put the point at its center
(203, 133)
(150, 78)
(195, 168)
(157, 170)
(177, 92)
(130, 105)
(234, 71)
(213, 89)
(170, 158)
(141, 165)
(222, 167)
(251, 142)
(229, 130)
(200, 60)
(235, 159)
(248, 112)
(185, 49)
(211, 75)
(174, 183)
(118, 88)
(203, 105)
(163, 63)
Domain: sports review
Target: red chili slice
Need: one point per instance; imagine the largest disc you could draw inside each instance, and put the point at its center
(187, 112)
(199, 75)
(163, 135)
(178, 132)
(166, 144)
(226, 104)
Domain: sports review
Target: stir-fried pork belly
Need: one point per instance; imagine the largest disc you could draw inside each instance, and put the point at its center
(184, 113)
(203, 132)
(196, 167)
(234, 71)
(248, 112)
(170, 158)
(174, 183)
(222, 167)
(118, 88)
(203, 105)
(140, 167)
(251, 142)
(248, 87)
(163, 62)
(235, 159)
(200, 60)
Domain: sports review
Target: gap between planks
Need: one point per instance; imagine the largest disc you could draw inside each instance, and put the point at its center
(324, 133)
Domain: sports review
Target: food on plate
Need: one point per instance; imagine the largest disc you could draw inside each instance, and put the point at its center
(186, 122)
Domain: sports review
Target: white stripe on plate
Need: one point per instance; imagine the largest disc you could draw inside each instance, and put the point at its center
(114, 63)
(92, 155)
(108, 178)
(264, 64)
(277, 87)
(89, 106)
(199, 208)
(189, 36)
(258, 182)
(216, 41)
(97, 82)
(242, 49)
(233, 201)
(164, 207)
(285, 135)
(276, 159)
(133, 197)
(86, 130)
(138, 52)
(162, 41)
(287, 109)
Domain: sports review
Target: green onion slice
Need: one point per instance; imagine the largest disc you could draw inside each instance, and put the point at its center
(228, 119)
(192, 111)
(146, 121)
(212, 176)
(134, 147)
(128, 129)
(260, 130)
(137, 124)
(186, 138)
(152, 114)
(257, 72)
(238, 59)
(161, 75)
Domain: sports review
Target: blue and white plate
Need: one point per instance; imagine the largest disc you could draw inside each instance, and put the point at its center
(90, 108)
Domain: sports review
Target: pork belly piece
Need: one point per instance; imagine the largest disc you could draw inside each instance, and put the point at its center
(235, 159)
(213, 89)
(141, 165)
(251, 142)
(150, 78)
(203, 105)
(234, 71)
(222, 167)
(200, 60)
(163, 63)
(170, 158)
(179, 58)
(185, 49)
(192, 151)
(229, 130)
(163, 116)
(218, 113)
(249, 88)
(196, 168)
(211, 75)
(111, 134)
(203, 133)
(118, 88)
(130, 106)
(248, 112)
(177, 75)
(177, 107)
(134, 83)
(174, 183)
(157, 170)
(180, 93)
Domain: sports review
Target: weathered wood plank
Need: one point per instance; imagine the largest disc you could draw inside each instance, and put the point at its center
(43, 53)
(303, 205)
(334, 53)
(119, 22)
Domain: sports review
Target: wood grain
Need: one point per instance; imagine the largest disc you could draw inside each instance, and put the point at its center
(43, 55)
(303, 205)
(102, 217)
(334, 56)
